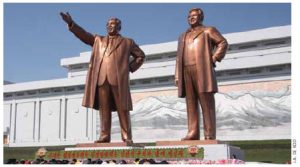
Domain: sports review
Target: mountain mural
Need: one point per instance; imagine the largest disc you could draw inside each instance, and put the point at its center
(250, 110)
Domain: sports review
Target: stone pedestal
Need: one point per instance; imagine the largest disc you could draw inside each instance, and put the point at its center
(222, 151)
(210, 149)
(213, 149)
(187, 142)
(199, 150)
(117, 144)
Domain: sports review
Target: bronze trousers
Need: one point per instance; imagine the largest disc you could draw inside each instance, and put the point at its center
(107, 95)
(207, 102)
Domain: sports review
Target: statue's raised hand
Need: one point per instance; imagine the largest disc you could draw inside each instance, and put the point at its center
(66, 17)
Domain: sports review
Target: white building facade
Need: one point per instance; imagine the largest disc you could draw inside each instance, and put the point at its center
(255, 73)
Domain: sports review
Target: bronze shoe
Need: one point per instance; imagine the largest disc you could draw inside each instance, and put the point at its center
(209, 138)
(103, 140)
(128, 142)
(190, 137)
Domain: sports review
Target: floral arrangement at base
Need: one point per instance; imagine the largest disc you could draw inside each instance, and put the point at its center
(197, 161)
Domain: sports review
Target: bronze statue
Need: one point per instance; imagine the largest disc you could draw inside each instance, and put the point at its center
(198, 50)
(107, 82)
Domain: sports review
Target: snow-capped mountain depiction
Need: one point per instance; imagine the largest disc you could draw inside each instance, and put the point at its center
(247, 111)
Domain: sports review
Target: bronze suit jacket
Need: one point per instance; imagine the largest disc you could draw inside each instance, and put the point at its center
(209, 43)
(108, 71)
(121, 51)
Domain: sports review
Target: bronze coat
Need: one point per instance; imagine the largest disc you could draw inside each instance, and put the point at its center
(123, 48)
(209, 43)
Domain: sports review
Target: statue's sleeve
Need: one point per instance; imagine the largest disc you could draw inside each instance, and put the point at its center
(138, 57)
(83, 35)
(220, 44)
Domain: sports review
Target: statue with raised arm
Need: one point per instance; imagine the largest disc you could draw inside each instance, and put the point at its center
(107, 82)
(199, 48)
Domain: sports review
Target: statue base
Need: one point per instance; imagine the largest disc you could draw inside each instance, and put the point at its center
(116, 144)
(187, 142)
(200, 150)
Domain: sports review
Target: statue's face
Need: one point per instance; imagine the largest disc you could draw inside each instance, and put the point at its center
(112, 27)
(194, 18)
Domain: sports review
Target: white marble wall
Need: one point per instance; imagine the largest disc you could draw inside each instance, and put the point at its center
(54, 119)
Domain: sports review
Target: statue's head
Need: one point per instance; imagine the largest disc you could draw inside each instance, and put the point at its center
(195, 17)
(113, 26)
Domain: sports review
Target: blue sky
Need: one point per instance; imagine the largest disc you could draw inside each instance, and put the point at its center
(35, 37)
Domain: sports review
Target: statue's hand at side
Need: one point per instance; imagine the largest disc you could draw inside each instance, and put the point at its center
(176, 82)
(67, 18)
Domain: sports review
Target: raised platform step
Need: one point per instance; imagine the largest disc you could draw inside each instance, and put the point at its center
(187, 142)
(157, 143)
(116, 144)
(197, 149)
